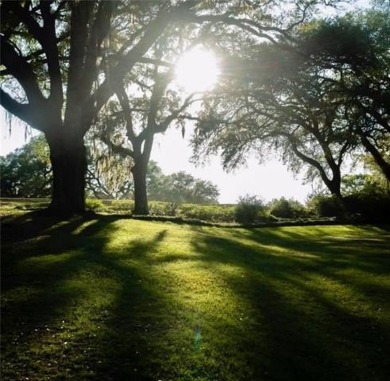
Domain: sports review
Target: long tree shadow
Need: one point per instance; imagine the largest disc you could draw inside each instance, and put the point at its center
(39, 256)
(298, 331)
(133, 322)
(52, 322)
(362, 257)
(295, 331)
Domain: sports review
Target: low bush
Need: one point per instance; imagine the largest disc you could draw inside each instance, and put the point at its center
(162, 208)
(368, 207)
(118, 206)
(213, 213)
(361, 206)
(94, 204)
(283, 208)
(326, 206)
(249, 210)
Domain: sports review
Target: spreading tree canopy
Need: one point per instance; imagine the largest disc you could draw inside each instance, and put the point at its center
(62, 60)
(316, 97)
(60, 63)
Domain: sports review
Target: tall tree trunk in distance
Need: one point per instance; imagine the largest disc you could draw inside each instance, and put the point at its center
(142, 149)
(69, 164)
(140, 193)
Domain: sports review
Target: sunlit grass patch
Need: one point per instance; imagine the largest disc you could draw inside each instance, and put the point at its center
(122, 299)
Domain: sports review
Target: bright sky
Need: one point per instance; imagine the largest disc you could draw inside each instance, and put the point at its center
(10, 140)
(197, 70)
(268, 181)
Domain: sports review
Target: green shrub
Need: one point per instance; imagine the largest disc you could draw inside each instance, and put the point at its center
(327, 206)
(34, 205)
(213, 213)
(249, 210)
(162, 208)
(283, 208)
(94, 204)
(172, 208)
(120, 206)
(373, 207)
(157, 208)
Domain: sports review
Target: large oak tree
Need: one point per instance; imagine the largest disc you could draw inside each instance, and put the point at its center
(60, 61)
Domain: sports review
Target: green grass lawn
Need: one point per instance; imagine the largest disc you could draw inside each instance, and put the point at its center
(110, 298)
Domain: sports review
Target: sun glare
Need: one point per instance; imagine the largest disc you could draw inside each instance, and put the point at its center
(197, 70)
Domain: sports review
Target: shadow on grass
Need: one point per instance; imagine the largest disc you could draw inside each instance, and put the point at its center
(53, 324)
(306, 321)
(39, 255)
(85, 299)
(133, 320)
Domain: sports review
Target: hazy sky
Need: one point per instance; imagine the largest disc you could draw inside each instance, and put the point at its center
(269, 180)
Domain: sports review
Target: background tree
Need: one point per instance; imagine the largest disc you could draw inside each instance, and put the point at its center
(146, 104)
(283, 109)
(181, 187)
(293, 97)
(26, 172)
(354, 54)
(107, 174)
(107, 178)
(131, 122)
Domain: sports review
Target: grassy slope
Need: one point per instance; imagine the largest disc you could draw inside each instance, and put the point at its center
(119, 299)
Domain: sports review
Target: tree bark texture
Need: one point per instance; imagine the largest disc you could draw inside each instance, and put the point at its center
(140, 193)
(69, 164)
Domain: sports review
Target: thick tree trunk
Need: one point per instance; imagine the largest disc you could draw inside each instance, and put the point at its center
(68, 159)
(140, 193)
(335, 184)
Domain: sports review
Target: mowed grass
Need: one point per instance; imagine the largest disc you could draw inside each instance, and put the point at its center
(109, 298)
